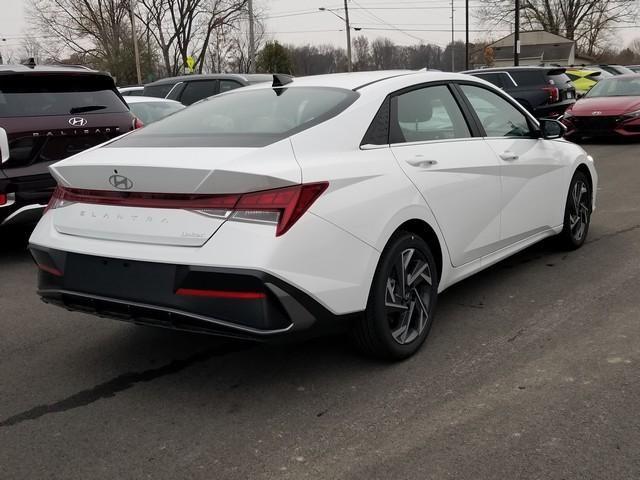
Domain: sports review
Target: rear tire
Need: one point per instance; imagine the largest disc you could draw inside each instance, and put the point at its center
(402, 300)
(577, 212)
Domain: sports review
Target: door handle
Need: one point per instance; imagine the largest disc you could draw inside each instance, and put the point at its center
(509, 156)
(421, 162)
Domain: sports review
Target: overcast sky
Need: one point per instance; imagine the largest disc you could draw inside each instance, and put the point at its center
(300, 21)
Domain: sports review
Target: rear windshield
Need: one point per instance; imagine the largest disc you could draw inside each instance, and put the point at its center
(158, 91)
(616, 87)
(40, 95)
(244, 118)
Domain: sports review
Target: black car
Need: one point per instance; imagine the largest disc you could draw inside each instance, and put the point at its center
(188, 89)
(48, 113)
(544, 91)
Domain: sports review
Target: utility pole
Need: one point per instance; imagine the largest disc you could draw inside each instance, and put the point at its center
(136, 52)
(466, 35)
(346, 21)
(252, 39)
(453, 69)
(516, 36)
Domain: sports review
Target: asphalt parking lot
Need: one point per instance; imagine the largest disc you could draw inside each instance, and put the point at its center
(531, 371)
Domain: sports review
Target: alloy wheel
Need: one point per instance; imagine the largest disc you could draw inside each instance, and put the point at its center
(580, 210)
(408, 296)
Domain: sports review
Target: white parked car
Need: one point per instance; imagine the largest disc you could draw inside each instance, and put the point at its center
(152, 109)
(337, 201)
(133, 91)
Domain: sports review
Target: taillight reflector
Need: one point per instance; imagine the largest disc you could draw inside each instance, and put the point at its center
(3, 198)
(290, 203)
(195, 292)
(137, 123)
(554, 93)
(52, 270)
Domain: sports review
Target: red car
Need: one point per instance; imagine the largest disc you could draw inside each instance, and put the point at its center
(611, 108)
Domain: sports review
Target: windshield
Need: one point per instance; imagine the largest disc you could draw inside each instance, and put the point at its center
(616, 87)
(244, 118)
(38, 95)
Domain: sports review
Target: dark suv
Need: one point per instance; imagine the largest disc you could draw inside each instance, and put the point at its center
(48, 113)
(544, 91)
(188, 89)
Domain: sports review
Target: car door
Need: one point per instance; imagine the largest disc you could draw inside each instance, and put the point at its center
(457, 174)
(531, 168)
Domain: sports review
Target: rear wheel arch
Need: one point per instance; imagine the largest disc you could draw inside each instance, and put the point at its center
(428, 234)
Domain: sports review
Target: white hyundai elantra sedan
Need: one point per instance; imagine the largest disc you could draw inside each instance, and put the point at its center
(345, 201)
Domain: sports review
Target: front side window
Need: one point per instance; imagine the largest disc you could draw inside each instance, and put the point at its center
(244, 118)
(498, 117)
(616, 87)
(158, 91)
(426, 114)
(226, 85)
(198, 90)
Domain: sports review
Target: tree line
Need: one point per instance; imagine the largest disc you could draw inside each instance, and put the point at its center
(99, 33)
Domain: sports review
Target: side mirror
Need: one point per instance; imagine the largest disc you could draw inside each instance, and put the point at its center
(551, 129)
(4, 146)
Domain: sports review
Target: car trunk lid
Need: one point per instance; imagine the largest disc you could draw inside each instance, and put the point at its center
(171, 180)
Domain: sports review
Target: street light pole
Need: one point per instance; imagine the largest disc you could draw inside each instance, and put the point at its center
(466, 35)
(516, 36)
(453, 51)
(252, 40)
(346, 21)
(136, 52)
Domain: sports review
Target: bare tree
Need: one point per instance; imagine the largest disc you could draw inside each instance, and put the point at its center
(588, 22)
(186, 28)
(91, 28)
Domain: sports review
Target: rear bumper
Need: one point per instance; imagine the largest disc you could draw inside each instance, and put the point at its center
(26, 199)
(153, 294)
(553, 110)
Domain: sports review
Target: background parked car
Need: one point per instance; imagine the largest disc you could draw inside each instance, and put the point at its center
(152, 109)
(48, 113)
(544, 91)
(635, 68)
(584, 79)
(612, 69)
(133, 91)
(611, 108)
(188, 89)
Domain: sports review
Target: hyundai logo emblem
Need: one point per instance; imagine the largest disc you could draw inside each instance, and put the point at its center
(596, 113)
(121, 182)
(77, 122)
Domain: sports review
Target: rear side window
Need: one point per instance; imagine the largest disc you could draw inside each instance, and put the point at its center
(494, 78)
(527, 78)
(41, 95)
(429, 113)
(195, 91)
(559, 80)
(158, 91)
(244, 118)
(226, 85)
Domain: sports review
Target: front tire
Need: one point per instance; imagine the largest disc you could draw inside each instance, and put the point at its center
(402, 300)
(577, 213)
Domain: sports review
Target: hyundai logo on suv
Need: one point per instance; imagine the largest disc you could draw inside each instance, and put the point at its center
(121, 182)
(77, 122)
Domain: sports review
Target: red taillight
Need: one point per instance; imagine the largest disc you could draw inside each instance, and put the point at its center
(554, 93)
(282, 206)
(52, 270)
(290, 202)
(196, 292)
(3, 198)
(137, 123)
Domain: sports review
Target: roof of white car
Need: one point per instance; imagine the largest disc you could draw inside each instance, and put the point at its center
(141, 99)
(356, 80)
